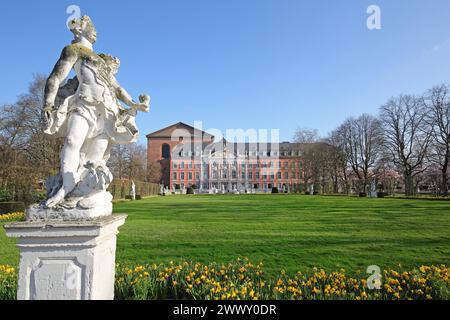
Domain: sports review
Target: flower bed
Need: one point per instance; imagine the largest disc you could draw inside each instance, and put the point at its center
(243, 280)
(14, 216)
(8, 282)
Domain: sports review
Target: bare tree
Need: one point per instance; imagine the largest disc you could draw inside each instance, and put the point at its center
(304, 135)
(118, 161)
(308, 138)
(27, 155)
(137, 166)
(154, 172)
(407, 136)
(360, 140)
(438, 116)
(129, 162)
(339, 162)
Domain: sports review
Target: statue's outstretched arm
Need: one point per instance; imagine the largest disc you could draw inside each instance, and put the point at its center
(60, 72)
(126, 98)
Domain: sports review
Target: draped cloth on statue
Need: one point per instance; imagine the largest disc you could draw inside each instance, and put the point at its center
(104, 114)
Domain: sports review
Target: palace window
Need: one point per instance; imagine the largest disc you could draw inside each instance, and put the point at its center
(182, 165)
(182, 175)
(174, 176)
(165, 151)
(190, 175)
(279, 175)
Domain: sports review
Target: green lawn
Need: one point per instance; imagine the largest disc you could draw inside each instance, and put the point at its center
(288, 232)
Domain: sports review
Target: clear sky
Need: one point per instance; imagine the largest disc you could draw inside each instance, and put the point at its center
(260, 64)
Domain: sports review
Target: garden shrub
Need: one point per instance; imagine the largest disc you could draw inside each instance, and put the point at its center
(11, 206)
(6, 195)
(136, 197)
(275, 190)
(190, 190)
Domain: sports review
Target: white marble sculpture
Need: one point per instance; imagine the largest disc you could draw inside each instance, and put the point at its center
(373, 189)
(311, 189)
(133, 190)
(87, 112)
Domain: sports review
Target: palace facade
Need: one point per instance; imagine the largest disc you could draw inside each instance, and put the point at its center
(191, 157)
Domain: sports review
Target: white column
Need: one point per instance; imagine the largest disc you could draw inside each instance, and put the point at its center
(67, 260)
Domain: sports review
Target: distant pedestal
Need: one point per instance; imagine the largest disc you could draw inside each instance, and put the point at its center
(67, 260)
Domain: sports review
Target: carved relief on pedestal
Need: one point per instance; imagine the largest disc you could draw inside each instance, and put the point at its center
(56, 279)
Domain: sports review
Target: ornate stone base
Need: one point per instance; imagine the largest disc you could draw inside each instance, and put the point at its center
(38, 213)
(61, 260)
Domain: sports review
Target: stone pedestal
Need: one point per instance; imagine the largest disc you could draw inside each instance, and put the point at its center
(67, 260)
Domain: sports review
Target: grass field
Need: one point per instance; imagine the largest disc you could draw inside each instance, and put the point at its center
(288, 232)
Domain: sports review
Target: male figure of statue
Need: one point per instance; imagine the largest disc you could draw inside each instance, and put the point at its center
(91, 118)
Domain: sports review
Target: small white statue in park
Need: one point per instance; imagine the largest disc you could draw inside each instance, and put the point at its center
(86, 111)
(133, 190)
(373, 189)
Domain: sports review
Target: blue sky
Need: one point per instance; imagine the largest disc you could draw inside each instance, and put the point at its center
(260, 64)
